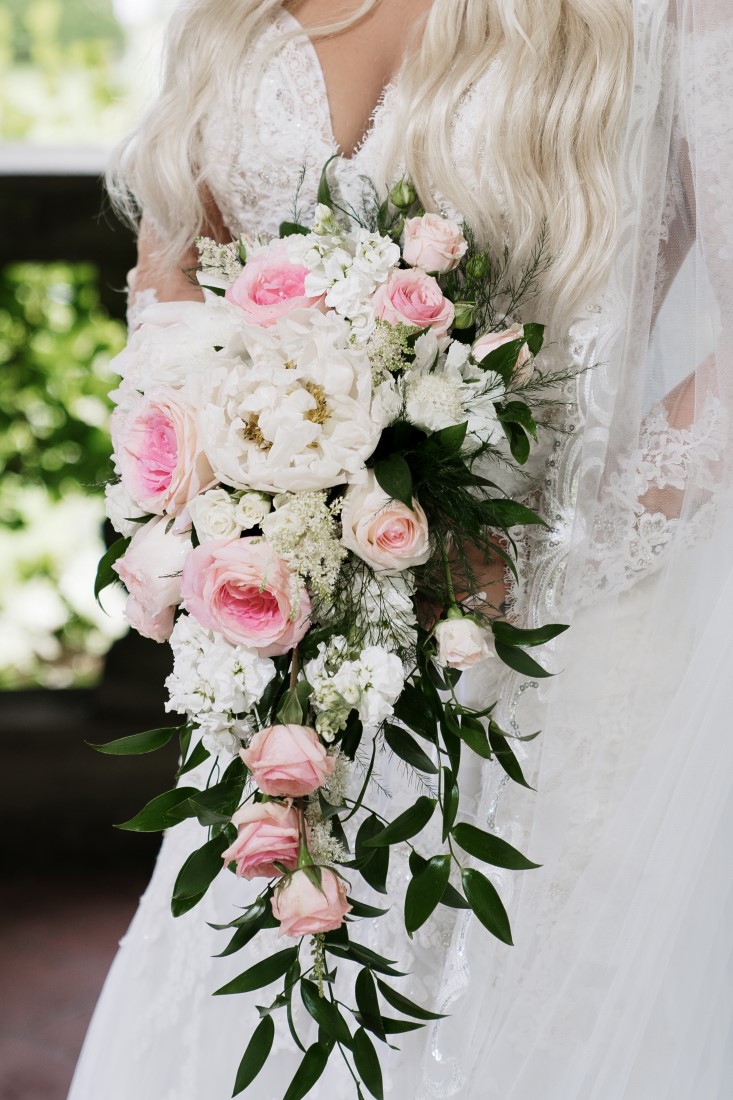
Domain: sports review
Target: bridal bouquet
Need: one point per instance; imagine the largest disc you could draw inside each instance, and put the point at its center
(312, 468)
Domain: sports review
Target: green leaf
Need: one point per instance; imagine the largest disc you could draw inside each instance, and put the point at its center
(406, 747)
(256, 1054)
(451, 898)
(534, 336)
(513, 636)
(451, 797)
(162, 812)
(505, 756)
(137, 743)
(399, 1027)
(374, 870)
(508, 513)
(517, 412)
(364, 955)
(491, 849)
(503, 360)
(450, 440)
(310, 1069)
(105, 573)
(367, 1064)
(520, 661)
(403, 1004)
(409, 823)
(425, 890)
(361, 909)
(394, 477)
(324, 191)
(368, 1003)
(484, 899)
(262, 973)
(325, 1013)
(519, 443)
(200, 869)
(198, 756)
(290, 229)
(413, 708)
(475, 736)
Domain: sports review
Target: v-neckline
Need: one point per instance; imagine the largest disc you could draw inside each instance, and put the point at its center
(310, 49)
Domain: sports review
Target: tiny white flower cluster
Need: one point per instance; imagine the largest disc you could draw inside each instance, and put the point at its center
(386, 613)
(389, 349)
(215, 683)
(222, 260)
(370, 683)
(303, 529)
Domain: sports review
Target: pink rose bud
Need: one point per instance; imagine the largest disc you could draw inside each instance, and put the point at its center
(490, 341)
(381, 531)
(150, 570)
(242, 589)
(157, 449)
(413, 298)
(461, 644)
(268, 833)
(433, 243)
(270, 286)
(303, 909)
(288, 760)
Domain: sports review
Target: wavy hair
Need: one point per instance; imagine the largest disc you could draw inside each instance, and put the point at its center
(546, 154)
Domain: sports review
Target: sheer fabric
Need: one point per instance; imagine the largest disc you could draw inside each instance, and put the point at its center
(619, 985)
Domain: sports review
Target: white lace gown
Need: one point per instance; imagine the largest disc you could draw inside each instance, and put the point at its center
(524, 1022)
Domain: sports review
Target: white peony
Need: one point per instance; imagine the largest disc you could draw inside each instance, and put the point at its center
(214, 515)
(433, 402)
(292, 410)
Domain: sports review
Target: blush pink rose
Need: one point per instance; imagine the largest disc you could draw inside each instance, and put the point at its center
(270, 286)
(161, 463)
(242, 589)
(493, 340)
(381, 531)
(433, 243)
(268, 833)
(150, 569)
(304, 910)
(288, 761)
(414, 298)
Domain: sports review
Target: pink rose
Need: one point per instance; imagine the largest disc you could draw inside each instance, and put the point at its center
(490, 341)
(461, 643)
(150, 570)
(413, 298)
(270, 286)
(304, 910)
(381, 531)
(246, 592)
(288, 761)
(433, 243)
(268, 833)
(157, 448)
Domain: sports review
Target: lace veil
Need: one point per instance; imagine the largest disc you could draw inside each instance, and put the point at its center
(620, 981)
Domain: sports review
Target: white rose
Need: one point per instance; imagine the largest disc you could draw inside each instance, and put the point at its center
(251, 509)
(213, 515)
(461, 643)
(121, 510)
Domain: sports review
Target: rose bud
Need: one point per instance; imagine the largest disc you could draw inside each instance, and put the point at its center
(268, 833)
(433, 243)
(385, 533)
(490, 341)
(288, 760)
(304, 910)
(461, 643)
(403, 195)
(465, 315)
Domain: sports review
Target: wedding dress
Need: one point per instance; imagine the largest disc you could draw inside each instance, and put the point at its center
(619, 985)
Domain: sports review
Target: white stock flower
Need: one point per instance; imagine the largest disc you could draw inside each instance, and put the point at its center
(291, 412)
(369, 682)
(215, 683)
(213, 515)
(121, 510)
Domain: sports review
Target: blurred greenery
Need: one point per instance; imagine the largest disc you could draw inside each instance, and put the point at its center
(55, 346)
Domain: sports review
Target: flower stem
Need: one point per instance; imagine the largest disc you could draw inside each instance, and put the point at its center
(446, 568)
(294, 668)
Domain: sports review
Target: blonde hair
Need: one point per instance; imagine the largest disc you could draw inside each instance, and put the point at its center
(546, 153)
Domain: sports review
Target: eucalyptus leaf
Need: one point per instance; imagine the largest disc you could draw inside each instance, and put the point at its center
(256, 1054)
